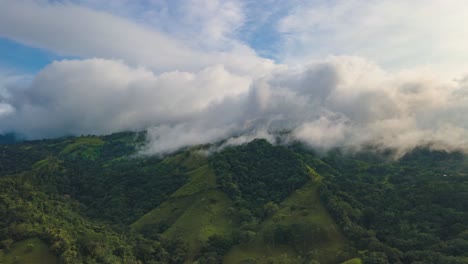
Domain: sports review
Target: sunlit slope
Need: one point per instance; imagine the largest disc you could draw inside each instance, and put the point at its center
(193, 213)
(310, 228)
(30, 251)
(251, 203)
(86, 147)
(201, 209)
(200, 181)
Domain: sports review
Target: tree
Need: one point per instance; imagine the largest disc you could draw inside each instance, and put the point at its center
(270, 209)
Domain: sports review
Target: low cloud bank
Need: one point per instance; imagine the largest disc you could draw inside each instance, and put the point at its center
(338, 102)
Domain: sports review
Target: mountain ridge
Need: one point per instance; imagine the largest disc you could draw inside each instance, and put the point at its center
(92, 200)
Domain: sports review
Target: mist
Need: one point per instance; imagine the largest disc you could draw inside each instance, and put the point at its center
(347, 102)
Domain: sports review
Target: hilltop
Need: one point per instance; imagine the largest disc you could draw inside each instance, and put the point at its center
(95, 199)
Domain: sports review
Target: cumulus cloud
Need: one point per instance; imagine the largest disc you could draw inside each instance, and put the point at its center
(180, 70)
(5, 109)
(104, 96)
(398, 34)
(350, 102)
(74, 30)
(338, 102)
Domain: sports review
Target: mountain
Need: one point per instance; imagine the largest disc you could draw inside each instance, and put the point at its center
(96, 199)
(8, 138)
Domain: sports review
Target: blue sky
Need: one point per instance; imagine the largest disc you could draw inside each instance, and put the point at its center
(334, 72)
(24, 58)
(256, 30)
(419, 33)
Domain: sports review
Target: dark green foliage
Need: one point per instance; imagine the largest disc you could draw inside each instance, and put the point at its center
(257, 173)
(19, 157)
(123, 190)
(79, 195)
(409, 210)
(26, 212)
(214, 249)
(81, 206)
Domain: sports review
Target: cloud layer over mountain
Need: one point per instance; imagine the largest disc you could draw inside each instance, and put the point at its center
(189, 73)
(340, 101)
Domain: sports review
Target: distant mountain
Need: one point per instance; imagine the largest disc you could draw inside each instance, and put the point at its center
(8, 138)
(96, 200)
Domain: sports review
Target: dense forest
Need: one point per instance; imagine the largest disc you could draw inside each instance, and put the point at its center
(414, 210)
(93, 199)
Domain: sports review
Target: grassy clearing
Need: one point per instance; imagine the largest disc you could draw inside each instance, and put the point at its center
(194, 212)
(206, 216)
(45, 163)
(198, 210)
(200, 180)
(89, 141)
(165, 214)
(353, 261)
(194, 218)
(87, 147)
(30, 251)
(302, 208)
(189, 159)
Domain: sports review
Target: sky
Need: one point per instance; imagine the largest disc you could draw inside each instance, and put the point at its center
(334, 73)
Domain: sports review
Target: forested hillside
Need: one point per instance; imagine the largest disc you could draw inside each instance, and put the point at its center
(94, 199)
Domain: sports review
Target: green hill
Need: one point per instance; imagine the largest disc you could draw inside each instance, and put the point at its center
(194, 212)
(97, 200)
(300, 225)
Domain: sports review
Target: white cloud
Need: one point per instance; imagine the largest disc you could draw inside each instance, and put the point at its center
(199, 20)
(194, 82)
(322, 133)
(165, 139)
(6, 109)
(397, 34)
(217, 21)
(348, 102)
(9, 79)
(103, 96)
(74, 30)
(339, 102)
